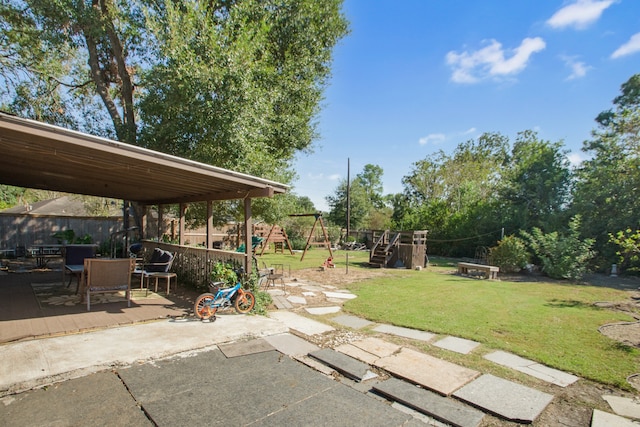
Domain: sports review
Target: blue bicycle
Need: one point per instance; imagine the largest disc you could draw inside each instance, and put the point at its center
(207, 304)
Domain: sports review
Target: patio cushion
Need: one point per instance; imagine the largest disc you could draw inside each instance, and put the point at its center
(161, 260)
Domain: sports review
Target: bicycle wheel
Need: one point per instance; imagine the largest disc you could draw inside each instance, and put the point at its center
(203, 307)
(244, 302)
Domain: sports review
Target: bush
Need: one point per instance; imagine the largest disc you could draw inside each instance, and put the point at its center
(629, 254)
(510, 255)
(224, 273)
(562, 256)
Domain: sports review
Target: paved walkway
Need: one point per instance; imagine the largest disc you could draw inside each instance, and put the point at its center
(187, 371)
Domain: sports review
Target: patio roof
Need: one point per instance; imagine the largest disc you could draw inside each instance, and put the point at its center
(41, 156)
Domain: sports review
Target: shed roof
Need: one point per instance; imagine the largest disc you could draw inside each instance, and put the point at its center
(46, 157)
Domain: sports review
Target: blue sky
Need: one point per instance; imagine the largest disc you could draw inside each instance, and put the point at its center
(417, 76)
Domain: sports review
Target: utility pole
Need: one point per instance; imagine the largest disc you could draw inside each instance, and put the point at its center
(348, 207)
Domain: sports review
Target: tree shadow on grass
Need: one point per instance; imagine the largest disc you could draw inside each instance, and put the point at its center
(561, 303)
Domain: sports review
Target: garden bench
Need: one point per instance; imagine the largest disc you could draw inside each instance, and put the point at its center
(490, 271)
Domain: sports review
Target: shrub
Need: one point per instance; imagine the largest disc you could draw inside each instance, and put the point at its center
(562, 256)
(510, 255)
(224, 273)
(629, 254)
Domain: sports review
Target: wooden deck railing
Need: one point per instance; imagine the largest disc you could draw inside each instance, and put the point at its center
(193, 264)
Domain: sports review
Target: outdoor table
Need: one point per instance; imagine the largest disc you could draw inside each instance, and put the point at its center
(43, 253)
(75, 270)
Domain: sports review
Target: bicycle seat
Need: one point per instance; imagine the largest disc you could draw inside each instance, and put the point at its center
(215, 286)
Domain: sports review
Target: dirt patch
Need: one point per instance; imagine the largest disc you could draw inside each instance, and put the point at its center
(336, 276)
(627, 333)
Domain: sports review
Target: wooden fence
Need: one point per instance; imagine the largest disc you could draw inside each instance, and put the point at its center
(29, 230)
(193, 264)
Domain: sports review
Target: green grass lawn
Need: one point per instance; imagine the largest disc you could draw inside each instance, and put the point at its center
(555, 324)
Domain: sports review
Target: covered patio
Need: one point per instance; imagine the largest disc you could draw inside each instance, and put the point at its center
(41, 156)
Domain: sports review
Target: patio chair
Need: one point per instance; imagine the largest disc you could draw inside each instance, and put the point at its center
(74, 256)
(107, 276)
(157, 268)
(268, 276)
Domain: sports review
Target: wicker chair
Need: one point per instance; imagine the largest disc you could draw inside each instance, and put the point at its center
(107, 276)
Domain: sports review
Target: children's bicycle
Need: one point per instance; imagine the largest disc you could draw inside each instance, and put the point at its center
(208, 303)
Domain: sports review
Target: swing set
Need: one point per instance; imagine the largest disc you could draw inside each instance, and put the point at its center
(318, 217)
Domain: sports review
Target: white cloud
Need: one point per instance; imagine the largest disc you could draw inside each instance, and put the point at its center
(576, 159)
(579, 14)
(434, 138)
(630, 47)
(334, 177)
(578, 68)
(469, 131)
(490, 61)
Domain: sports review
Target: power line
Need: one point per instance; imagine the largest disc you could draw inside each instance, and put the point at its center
(465, 238)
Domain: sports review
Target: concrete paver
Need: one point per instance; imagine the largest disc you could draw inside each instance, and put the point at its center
(405, 332)
(242, 348)
(300, 323)
(339, 295)
(259, 389)
(605, 419)
(444, 409)
(44, 360)
(532, 368)
(348, 366)
(319, 311)
(357, 353)
(98, 399)
(459, 345)
(419, 419)
(376, 346)
(291, 345)
(435, 374)
(351, 321)
(294, 299)
(504, 398)
(624, 406)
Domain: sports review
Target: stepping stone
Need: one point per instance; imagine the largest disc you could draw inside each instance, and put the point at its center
(312, 288)
(322, 310)
(339, 295)
(504, 398)
(405, 332)
(377, 346)
(357, 353)
(276, 292)
(624, 406)
(419, 419)
(309, 294)
(459, 345)
(245, 347)
(281, 303)
(290, 345)
(441, 408)
(300, 323)
(435, 374)
(348, 366)
(296, 300)
(351, 321)
(315, 364)
(532, 368)
(368, 350)
(605, 419)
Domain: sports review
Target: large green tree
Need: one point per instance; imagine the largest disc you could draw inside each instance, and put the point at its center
(367, 202)
(452, 196)
(606, 194)
(232, 83)
(535, 184)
